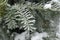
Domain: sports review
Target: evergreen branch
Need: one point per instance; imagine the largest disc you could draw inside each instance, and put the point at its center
(19, 16)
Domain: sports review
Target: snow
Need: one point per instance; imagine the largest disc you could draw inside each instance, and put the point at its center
(58, 35)
(35, 36)
(47, 6)
(20, 36)
(39, 36)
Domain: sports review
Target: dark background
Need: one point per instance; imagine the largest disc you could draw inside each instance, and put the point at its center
(36, 1)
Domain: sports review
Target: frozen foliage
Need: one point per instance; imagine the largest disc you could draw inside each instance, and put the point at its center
(58, 30)
(56, 3)
(23, 16)
(56, 24)
(53, 5)
(3, 35)
(39, 36)
(19, 16)
(52, 23)
(26, 18)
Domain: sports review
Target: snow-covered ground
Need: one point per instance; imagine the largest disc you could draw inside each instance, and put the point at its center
(20, 36)
(35, 36)
(39, 36)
